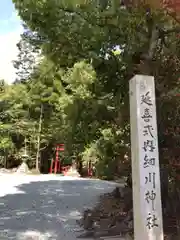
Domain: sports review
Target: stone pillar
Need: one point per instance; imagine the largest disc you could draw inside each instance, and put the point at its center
(147, 208)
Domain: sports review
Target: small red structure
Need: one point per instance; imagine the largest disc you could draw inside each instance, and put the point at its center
(56, 164)
(65, 169)
(90, 169)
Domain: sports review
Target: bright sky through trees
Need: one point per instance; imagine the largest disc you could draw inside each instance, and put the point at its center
(10, 30)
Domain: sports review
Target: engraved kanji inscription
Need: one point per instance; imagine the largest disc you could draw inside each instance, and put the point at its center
(146, 115)
(148, 161)
(150, 197)
(149, 146)
(146, 99)
(148, 130)
(151, 179)
(151, 221)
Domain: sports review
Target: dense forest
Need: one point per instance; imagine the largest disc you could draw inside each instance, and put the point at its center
(74, 65)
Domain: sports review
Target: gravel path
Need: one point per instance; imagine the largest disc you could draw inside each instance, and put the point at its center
(45, 207)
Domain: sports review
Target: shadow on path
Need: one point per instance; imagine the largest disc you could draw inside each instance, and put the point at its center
(47, 209)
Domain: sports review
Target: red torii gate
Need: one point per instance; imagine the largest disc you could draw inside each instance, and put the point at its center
(56, 164)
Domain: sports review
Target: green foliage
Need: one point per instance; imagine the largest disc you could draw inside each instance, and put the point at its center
(87, 52)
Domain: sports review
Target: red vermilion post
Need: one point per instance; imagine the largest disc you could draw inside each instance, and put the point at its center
(56, 162)
(90, 172)
(51, 167)
(59, 148)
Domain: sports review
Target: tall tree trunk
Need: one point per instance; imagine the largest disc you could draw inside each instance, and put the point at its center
(39, 138)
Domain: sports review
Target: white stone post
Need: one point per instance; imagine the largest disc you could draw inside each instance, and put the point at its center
(147, 207)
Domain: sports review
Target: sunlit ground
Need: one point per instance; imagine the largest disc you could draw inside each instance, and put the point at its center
(45, 206)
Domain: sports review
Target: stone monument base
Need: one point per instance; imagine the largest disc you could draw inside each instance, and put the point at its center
(23, 169)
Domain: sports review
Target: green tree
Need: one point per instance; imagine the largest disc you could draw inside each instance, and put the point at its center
(72, 32)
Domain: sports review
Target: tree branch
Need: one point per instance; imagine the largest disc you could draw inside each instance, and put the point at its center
(153, 42)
